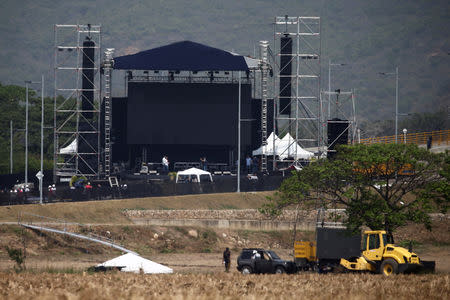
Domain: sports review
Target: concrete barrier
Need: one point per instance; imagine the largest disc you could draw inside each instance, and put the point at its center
(228, 224)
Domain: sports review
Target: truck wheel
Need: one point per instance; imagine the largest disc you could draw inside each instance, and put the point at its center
(280, 270)
(389, 267)
(246, 270)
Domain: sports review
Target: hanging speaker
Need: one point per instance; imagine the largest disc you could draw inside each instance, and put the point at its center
(285, 74)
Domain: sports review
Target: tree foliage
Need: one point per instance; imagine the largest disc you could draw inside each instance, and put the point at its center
(380, 186)
(12, 108)
(18, 256)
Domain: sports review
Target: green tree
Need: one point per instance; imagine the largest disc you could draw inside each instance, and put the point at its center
(12, 108)
(370, 183)
(18, 256)
(439, 191)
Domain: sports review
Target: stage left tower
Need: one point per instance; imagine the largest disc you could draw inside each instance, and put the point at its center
(77, 101)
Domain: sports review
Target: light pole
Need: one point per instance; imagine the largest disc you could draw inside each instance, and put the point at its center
(329, 85)
(239, 138)
(26, 131)
(42, 140)
(11, 147)
(396, 99)
(404, 135)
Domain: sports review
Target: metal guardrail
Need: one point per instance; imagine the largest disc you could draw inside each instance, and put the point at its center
(440, 137)
(90, 236)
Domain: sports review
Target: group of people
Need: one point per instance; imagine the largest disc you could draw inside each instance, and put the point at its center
(252, 164)
(227, 258)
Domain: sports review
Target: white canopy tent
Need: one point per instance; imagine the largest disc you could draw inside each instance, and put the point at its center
(71, 148)
(293, 149)
(284, 148)
(268, 149)
(133, 263)
(193, 175)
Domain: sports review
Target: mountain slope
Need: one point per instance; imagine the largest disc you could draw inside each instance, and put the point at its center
(369, 36)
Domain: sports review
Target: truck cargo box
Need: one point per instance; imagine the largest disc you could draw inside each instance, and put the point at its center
(336, 243)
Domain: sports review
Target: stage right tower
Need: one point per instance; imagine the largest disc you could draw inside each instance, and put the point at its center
(297, 43)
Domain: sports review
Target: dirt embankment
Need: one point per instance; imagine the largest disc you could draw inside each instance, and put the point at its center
(185, 249)
(111, 211)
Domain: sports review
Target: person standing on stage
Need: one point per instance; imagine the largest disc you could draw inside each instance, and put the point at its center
(248, 163)
(165, 163)
(205, 164)
(255, 165)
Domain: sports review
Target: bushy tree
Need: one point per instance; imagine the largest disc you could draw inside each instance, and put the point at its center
(376, 184)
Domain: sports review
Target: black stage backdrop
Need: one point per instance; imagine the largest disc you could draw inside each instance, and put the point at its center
(186, 114)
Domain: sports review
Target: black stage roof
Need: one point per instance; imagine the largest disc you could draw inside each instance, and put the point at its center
(182, 56)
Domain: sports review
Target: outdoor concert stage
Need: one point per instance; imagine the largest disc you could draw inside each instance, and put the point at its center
(183, 101)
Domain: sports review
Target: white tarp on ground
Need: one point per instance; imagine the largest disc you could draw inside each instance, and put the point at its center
(133, 263)
(71, 148)
(193, 175)
(284, 148)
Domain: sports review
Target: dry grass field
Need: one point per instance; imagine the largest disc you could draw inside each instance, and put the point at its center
(118, 285)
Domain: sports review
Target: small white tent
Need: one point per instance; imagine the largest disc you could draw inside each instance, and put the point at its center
(133, 263)
(293, 149)
(268, 149)
(193, 175)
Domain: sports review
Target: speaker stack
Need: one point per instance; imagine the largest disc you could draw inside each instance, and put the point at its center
(337, 135)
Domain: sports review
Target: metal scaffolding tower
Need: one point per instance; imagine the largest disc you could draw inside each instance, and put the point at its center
(264, 66)
(297, 43)
(77, 92)
(108, 64)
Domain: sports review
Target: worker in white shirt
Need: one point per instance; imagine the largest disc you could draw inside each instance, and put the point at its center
(165, 163)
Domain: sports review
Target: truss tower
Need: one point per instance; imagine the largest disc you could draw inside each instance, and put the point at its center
(297, 44)
(77, 91)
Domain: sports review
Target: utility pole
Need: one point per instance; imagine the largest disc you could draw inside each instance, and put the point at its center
(396, 103)
(26, 132)
(26, 128)
(42, 139)
(239, 139)
(11, 147)
(396, 100)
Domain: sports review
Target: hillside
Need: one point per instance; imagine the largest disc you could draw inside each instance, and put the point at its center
(369, 36)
